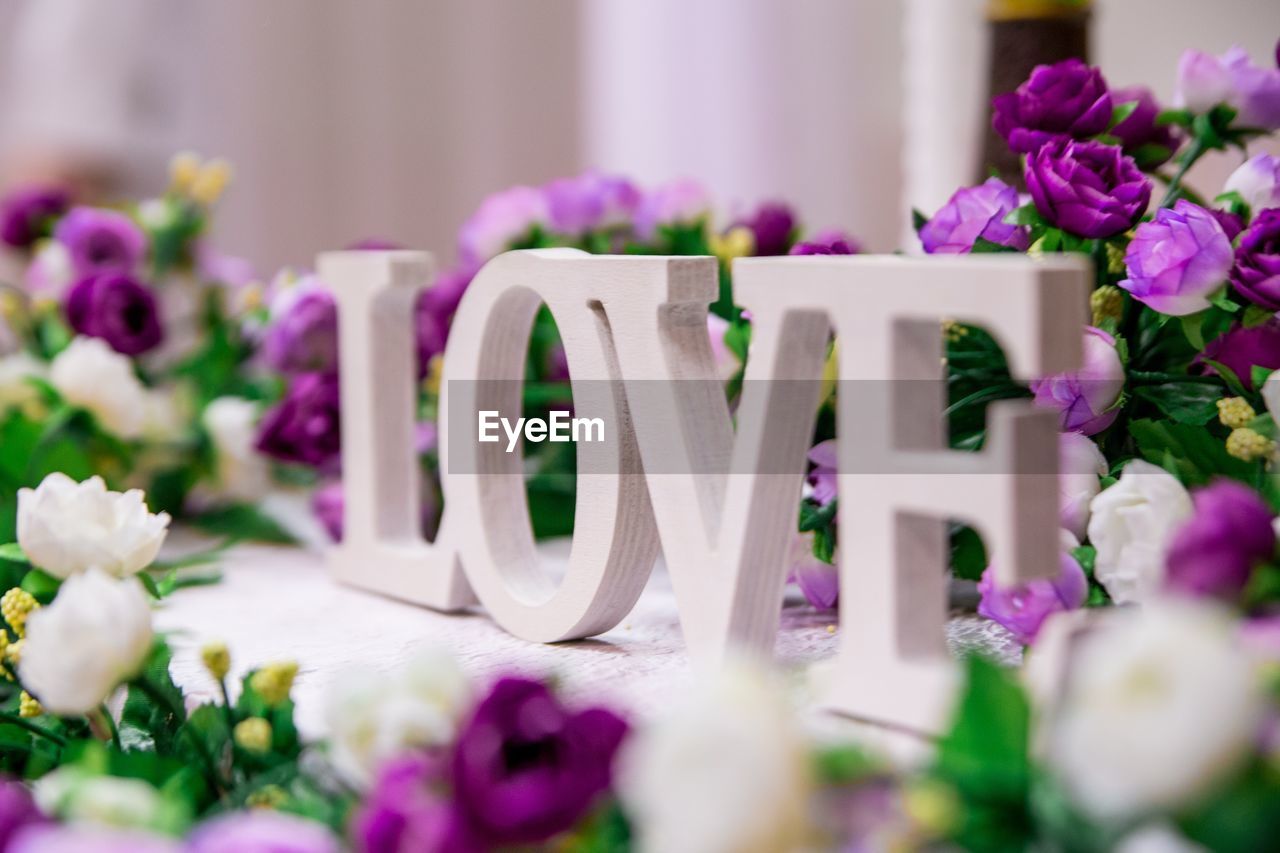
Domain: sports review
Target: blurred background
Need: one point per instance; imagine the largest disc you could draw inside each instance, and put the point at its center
(393, 118)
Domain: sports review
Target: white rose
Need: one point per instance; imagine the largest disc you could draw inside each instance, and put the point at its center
(95, 634)
(16, 391)
(91, 375)
(1257, 181)
(72, 794)
(1160, 707)
(65, 527)
(1080, 464)
(1271, 395)
(50, 270)
(1130, 527)
(728, 771)
(373, 717)
(1157, 838)
(241, 472)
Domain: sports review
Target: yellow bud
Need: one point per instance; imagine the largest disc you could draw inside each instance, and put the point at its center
(738, 242)
(216, 659)
(953, 331)
(184, 168)
(435, 374)
(1107, 303)
(1115, 260)
(253, 734)
(1235, 412)
(28, 706)
(274, 681)
(4, 655)
(932, 806)
(211, 181)
(267, 797)
(16, 605)
(1246, 444)
(13, 653)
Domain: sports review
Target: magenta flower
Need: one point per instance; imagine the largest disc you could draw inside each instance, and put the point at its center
(829, 242)
(1150, 144)
(773, 224)
(115, 307)
(1242, 348)
(1257, 181)
(1023, 608)
(1087, 188)
(1215, 551)
(503, 220)
(101, 241)
(974, 212)
(1086, 398)
(525, 768)
(433, 314)
(1067, 99)
(89, 838)
(591, 201)
(1080, 465)
(1178, 260)
(683, 201)
(17, 811)
(819, 581)
(405, 811)
(304, 427)
(27, 214)
(1205, 81)
(302, 334)
(261, 830)
(822, 478)
(1256, 274)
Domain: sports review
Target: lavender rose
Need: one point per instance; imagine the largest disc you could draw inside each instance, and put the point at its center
(115, 307)
(680, 202)
(1256, 275)
(304, 426)
(591, 201)
(1149, 143)
(26, 214)
(1023, 608)
(974, 212)
(402, 813)
(1243, 348)
(1215, 551)
(302, 335)
(1087, 188)
(1204, 81)
(828, 242)
(101, 240)
(1257, 181)
(823, 476)
(773, 224)
(261, 829)
(434, 311)
(17, 811)
(1177, 260)
(525, 768)
(503, 219)
(1086, 398)
(1067, 99)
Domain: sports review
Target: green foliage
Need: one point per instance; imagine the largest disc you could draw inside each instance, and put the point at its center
(968, 553)
(1191, 453)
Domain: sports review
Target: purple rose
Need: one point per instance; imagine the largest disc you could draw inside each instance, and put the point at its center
(1087, 188)
(1257, 181)
(1024, 607)
(26, 214)
(115, 307)
(1085, 398)
(1204, 81)
(1243, 348)
(304, 426)
(974, 212)
(1080, 465)
(1177, 260)
(89, 838)
(773, 224)
(434, 312)
(302, 334)
(819, 581)
(261, 831)
(682, 201)
(1215, 551)
(404, 812)
(503, 219)
(1256, 275)
(1231, 223)
(1150, 144)
(17, 811)
(829, 242)
(1067, 99)
(525, 768)
(823, 476)
(590, 201)
(101, 240)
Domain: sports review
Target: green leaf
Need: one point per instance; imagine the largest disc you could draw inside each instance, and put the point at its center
(1180, 117)
(844, 764)
(983, 246)
(824, 544)
(815, 517)
(1120, 112)
(1260, 375)
(1192, 453)
(240, 522)
(1221, 300)
(41, 585)
(1228, 376)
(1184, 402)
(1193, 328)
(968, 553)
(12, 552)
(1150, 155)
(1024, 215)
(918, 219)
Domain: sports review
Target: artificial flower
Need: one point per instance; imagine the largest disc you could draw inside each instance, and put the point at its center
(818, 580)
(327, 506)
(773, 226)
(302, 329)
(17, 811)
(66, 528)
(1205, 81)
(1086, 398)
(404, 812)
(829, 242)
(1256, 274)
(27, 213)
(1161, 706)
(1257, 182)
(49, 272)
(1067, 99)
(101, 240)
(1241, 349)
(1271, 395)
(679, 202)
(75, 795)
(92, 376)
(373, 717)
(526, 768)
(434, 311)
(589, 202)
(1023, 607)
(1216, 550)
(1178, 260)
(974, 213)
(1080, 465)
(503, 219)
(304, 427)
(240, 471)
(1131, 524)
(1087, 189)
(79, 838)
(262, 830)
(1150, 143)
(95, 635)
(727, 770)
(113, 306)
(824, 479)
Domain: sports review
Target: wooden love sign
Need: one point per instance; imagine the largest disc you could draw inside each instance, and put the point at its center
(635, 335)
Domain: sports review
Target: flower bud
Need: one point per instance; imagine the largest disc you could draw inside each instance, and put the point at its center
(1235, 412)
(216, 659)
(1106, 303)
(16, 605)
(1248, 445)
(253, 735)
(29, 706)
(274, 681)
(212, 179)
(184, 168)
